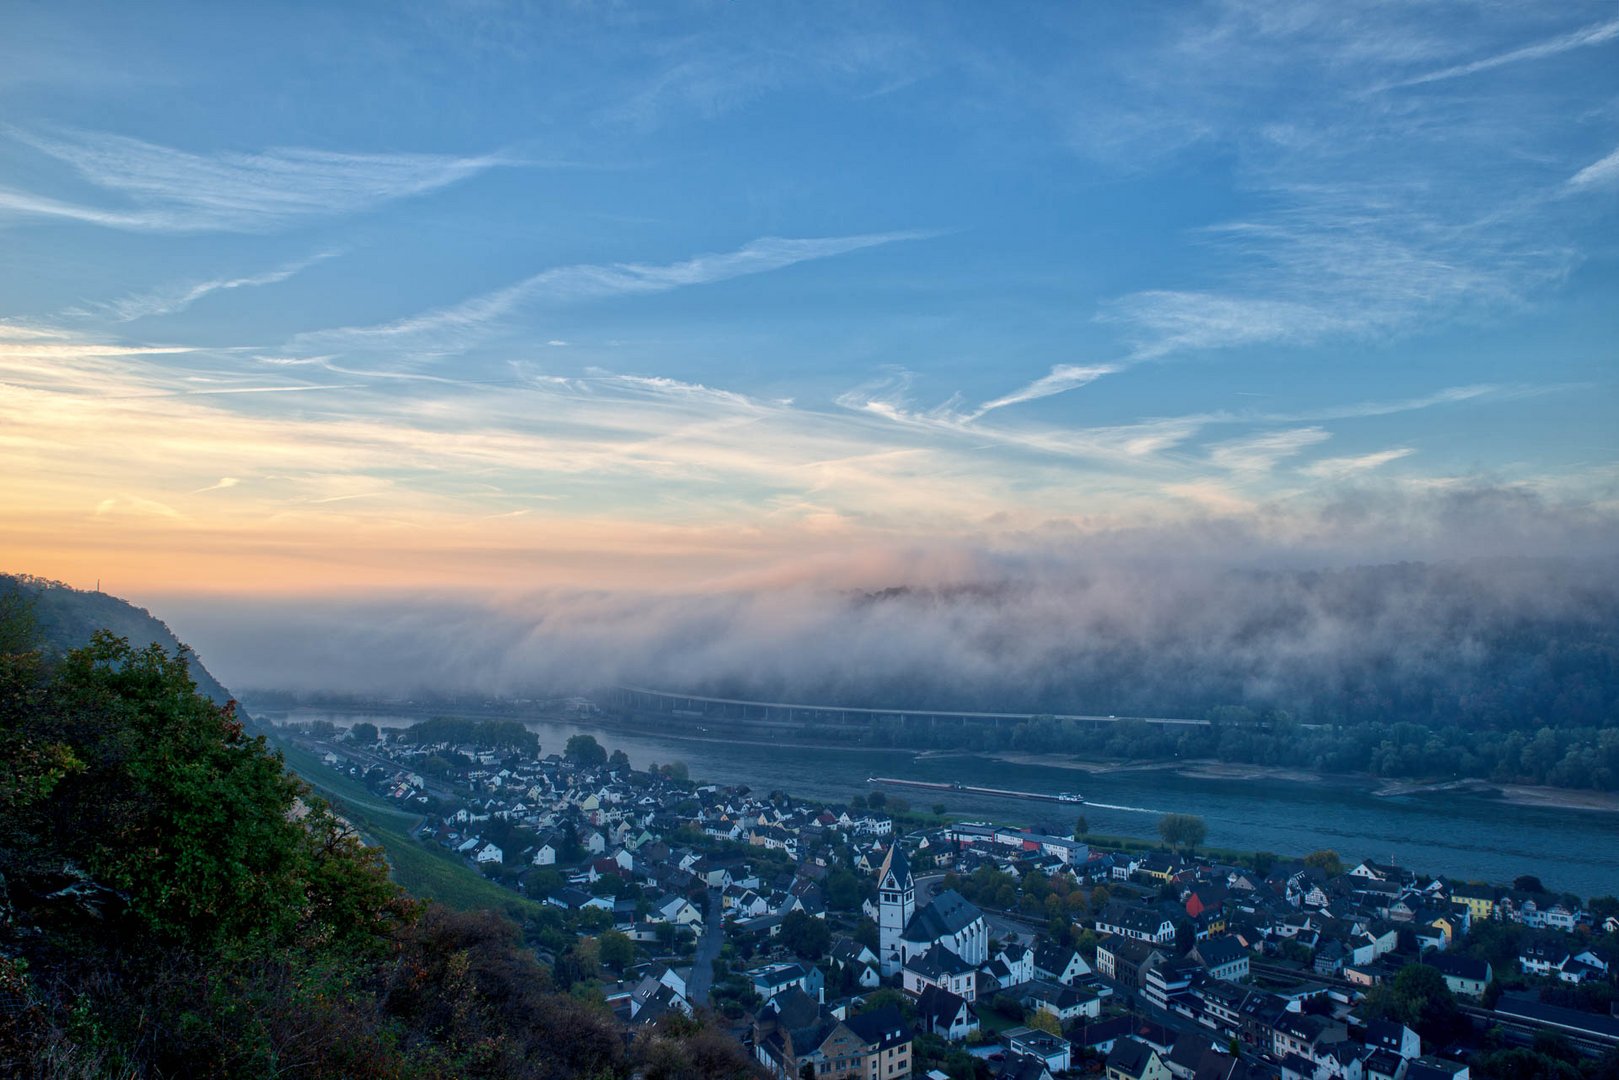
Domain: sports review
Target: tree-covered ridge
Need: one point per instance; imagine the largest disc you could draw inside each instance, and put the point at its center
(65, 618)
(173, 904)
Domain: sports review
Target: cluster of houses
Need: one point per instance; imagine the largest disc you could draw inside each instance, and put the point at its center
(1188, 969)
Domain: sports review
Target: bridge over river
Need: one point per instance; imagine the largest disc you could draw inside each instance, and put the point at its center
(693, 706)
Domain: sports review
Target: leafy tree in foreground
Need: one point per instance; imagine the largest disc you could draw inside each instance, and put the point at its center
(173, 904)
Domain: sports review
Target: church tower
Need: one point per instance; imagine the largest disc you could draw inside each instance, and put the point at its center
(896, 903)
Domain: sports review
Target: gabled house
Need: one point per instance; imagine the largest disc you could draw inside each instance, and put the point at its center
(1059, 963)
(1463, 974)
(1134, 921)
(1222, 957)
(945, 1014)
(941, 968)
(1131, 1059)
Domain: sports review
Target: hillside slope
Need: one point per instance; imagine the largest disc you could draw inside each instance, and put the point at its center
(66, 618)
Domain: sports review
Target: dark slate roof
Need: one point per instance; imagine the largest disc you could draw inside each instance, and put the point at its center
(896, 863)
(883, 1028)
(1459, 967)
(1219, 951)
(1214, 1065)
(1384, 1034)
(1049, 956)
(938, 962)
(1571, 1019)
(1385, 1062)
(1130, 1057)
(948, 913)
(1189, 1049)
(1023, 1067)
(938, 1007)
(1130, 950)
(1112, 1028)
(795, 1009)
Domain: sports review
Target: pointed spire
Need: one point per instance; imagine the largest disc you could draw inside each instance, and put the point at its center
(896, 863)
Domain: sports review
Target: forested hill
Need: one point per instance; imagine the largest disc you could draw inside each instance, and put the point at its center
(66, 618)
(174, 904)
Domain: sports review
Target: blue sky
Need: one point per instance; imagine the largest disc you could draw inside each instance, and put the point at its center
(347, 296)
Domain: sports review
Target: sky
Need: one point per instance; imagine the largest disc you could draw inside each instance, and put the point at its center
(355, 300)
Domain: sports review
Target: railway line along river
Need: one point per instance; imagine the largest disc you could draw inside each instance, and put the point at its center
(1455, 833)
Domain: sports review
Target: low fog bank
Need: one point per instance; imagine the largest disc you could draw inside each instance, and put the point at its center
(1514, 607)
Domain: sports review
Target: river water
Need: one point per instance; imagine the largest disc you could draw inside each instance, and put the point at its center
(1465, 836)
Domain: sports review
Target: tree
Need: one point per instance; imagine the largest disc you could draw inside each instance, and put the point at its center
(1182, 830)
(171, 803)
(807, 937)
(1420, 999)
(619, 760)
(885, 996)
(1326, 860)
(1528, 883)
(585, 750)
(364, 733)
(844, 890)
(617, 950)
(1043, 1020)
(1082, 828)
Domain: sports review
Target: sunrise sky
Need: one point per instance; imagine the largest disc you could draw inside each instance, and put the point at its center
(323, 299)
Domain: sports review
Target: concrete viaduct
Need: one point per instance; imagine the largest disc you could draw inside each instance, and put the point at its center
(692, 706)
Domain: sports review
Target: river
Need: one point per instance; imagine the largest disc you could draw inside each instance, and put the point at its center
(1458, 835)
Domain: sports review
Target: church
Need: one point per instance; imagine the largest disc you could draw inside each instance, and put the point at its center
(949, 920)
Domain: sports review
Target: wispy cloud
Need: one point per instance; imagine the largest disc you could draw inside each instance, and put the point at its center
(452, 328)
(1595, 34)
(1339, 467)
(222, 484)
(176, 190)
(1598, 174)
(178, 298)
(1162, 322)
(1063, 377)
(1260, 453)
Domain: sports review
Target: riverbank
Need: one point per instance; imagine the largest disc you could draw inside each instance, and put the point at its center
(1207, 769)
(1523, 795)
(1464, 836)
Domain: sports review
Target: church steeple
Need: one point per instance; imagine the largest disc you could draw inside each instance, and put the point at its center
(896, 903)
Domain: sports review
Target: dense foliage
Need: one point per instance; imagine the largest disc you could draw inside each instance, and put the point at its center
(455, 730)
(1518, 750)
(173, 904)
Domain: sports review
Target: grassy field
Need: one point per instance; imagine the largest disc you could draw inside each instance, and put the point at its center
(424, 870)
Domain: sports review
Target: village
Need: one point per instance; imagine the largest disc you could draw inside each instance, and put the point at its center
(861, 941)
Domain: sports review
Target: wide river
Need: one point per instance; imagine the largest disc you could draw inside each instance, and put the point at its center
(1464, 836)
